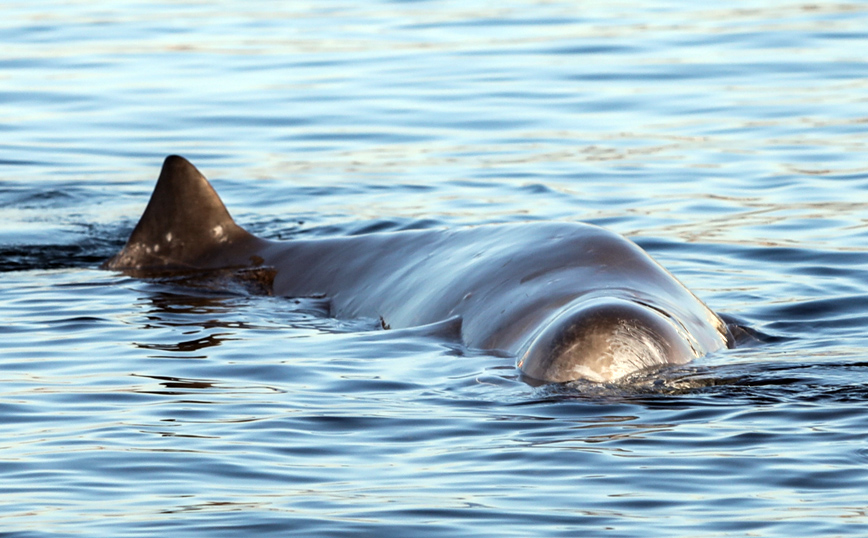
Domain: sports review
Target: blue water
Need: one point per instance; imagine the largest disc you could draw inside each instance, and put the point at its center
(728, 139)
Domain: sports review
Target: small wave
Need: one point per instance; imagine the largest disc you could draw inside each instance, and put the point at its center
(89, 252)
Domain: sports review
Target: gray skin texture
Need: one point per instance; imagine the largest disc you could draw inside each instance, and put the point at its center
(569, 301)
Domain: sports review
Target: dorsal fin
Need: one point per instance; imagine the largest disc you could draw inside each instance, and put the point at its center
(184, 226)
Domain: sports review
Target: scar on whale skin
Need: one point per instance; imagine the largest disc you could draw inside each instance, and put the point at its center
(568, 300)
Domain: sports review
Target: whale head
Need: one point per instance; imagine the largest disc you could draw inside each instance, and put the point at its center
(604, 340)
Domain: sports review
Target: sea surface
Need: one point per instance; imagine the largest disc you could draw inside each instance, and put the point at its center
(729, 139)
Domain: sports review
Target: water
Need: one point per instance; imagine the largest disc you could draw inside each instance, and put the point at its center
(727, 139)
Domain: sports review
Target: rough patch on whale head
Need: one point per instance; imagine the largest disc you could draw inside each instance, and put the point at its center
(185, 226)
(604, 340)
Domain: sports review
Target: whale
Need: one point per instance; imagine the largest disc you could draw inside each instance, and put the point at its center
(568, 301)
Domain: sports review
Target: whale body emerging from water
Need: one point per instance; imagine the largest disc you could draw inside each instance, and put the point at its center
(569, 301)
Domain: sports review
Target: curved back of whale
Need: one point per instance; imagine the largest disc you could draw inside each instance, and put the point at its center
(184, 226)
(569, 300)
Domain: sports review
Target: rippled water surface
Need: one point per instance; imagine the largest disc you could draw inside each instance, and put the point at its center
(728, 139)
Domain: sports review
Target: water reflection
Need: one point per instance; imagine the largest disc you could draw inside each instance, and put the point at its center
(168, 304)
(178, 383)
(177, 386)
(188, 346)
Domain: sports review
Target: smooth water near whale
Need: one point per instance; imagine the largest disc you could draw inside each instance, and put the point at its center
(728, 141)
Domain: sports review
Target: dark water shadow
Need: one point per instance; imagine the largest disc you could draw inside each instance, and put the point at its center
(740, 385)
(86, 253)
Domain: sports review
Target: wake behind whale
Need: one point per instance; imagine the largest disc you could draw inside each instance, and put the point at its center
(569, 301)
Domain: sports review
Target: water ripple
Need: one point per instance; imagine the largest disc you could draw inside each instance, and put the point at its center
(726, 139)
